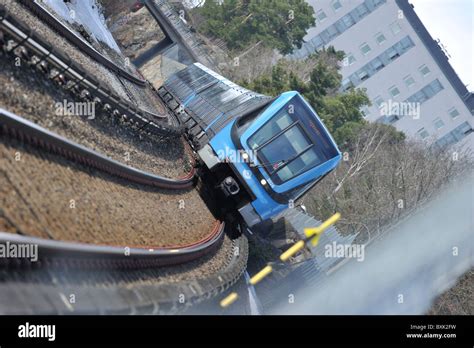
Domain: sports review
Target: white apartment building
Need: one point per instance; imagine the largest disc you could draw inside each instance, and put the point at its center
(407, 75)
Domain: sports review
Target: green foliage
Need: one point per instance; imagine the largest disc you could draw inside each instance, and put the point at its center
(323, 79)
(281, 24)
(347, 133)
(278, 81)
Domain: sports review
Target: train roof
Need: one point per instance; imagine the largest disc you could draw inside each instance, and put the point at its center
(211, 99)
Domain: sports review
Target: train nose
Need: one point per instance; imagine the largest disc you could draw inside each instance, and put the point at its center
(229, 186)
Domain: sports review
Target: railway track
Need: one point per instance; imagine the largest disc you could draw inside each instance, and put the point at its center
(110, 275)
(107, 281)
(58, 254)
(46, 16)
(24, 130)
(22, 43)
(174, 28)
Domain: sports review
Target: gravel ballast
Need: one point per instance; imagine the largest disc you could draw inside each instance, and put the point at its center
(46, 196)
(31, 95)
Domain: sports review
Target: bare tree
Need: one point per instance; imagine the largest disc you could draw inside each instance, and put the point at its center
(364, 151)
(382, 180)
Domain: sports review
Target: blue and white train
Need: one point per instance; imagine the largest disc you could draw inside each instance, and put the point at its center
(263, 152)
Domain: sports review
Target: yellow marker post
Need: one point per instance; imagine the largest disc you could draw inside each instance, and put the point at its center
(316, 232)
(292, 251)
(312, 234)
(229, 300)
(260, 275)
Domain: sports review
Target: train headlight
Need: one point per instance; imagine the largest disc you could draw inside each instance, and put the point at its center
(230, 186)
(263, 182)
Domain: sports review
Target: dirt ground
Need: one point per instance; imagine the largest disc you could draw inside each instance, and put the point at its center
(46, 196)
(135, 32)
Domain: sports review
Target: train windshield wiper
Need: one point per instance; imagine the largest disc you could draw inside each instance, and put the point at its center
(283, 162)
(277, 164)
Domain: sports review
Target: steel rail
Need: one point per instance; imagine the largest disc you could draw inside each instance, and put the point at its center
(23, 43)
(160, 256)
(126, 285)
(32, 133)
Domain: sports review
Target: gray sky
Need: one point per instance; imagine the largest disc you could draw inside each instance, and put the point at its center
(451, 21)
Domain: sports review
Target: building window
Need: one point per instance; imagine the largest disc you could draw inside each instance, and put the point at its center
(346, 84)
(321, 16)
(424, 70)
(365, 48)
(380, 38)
(317, 42)
(394, 91)
(438, 123)
(377, 64)
(331, 32)
(409, 81)
(427, 92)
(363, 75)
(433, 88)
(392, 53)
(462, 130)
(423, 133)
(346, 22)
(349, 59)
(448, 139)
(455, 135)
(378, 101)
(336, 5)
(365, 112)
(341, 25)
(361, 11)
(453, 112)
(395, 28)
(388, 119)
(382, 60)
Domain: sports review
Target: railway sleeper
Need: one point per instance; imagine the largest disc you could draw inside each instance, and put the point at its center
(70, 82)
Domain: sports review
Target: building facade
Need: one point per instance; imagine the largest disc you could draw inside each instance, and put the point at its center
(406, 74)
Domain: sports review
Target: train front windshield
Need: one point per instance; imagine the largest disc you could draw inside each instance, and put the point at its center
(291, 142)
